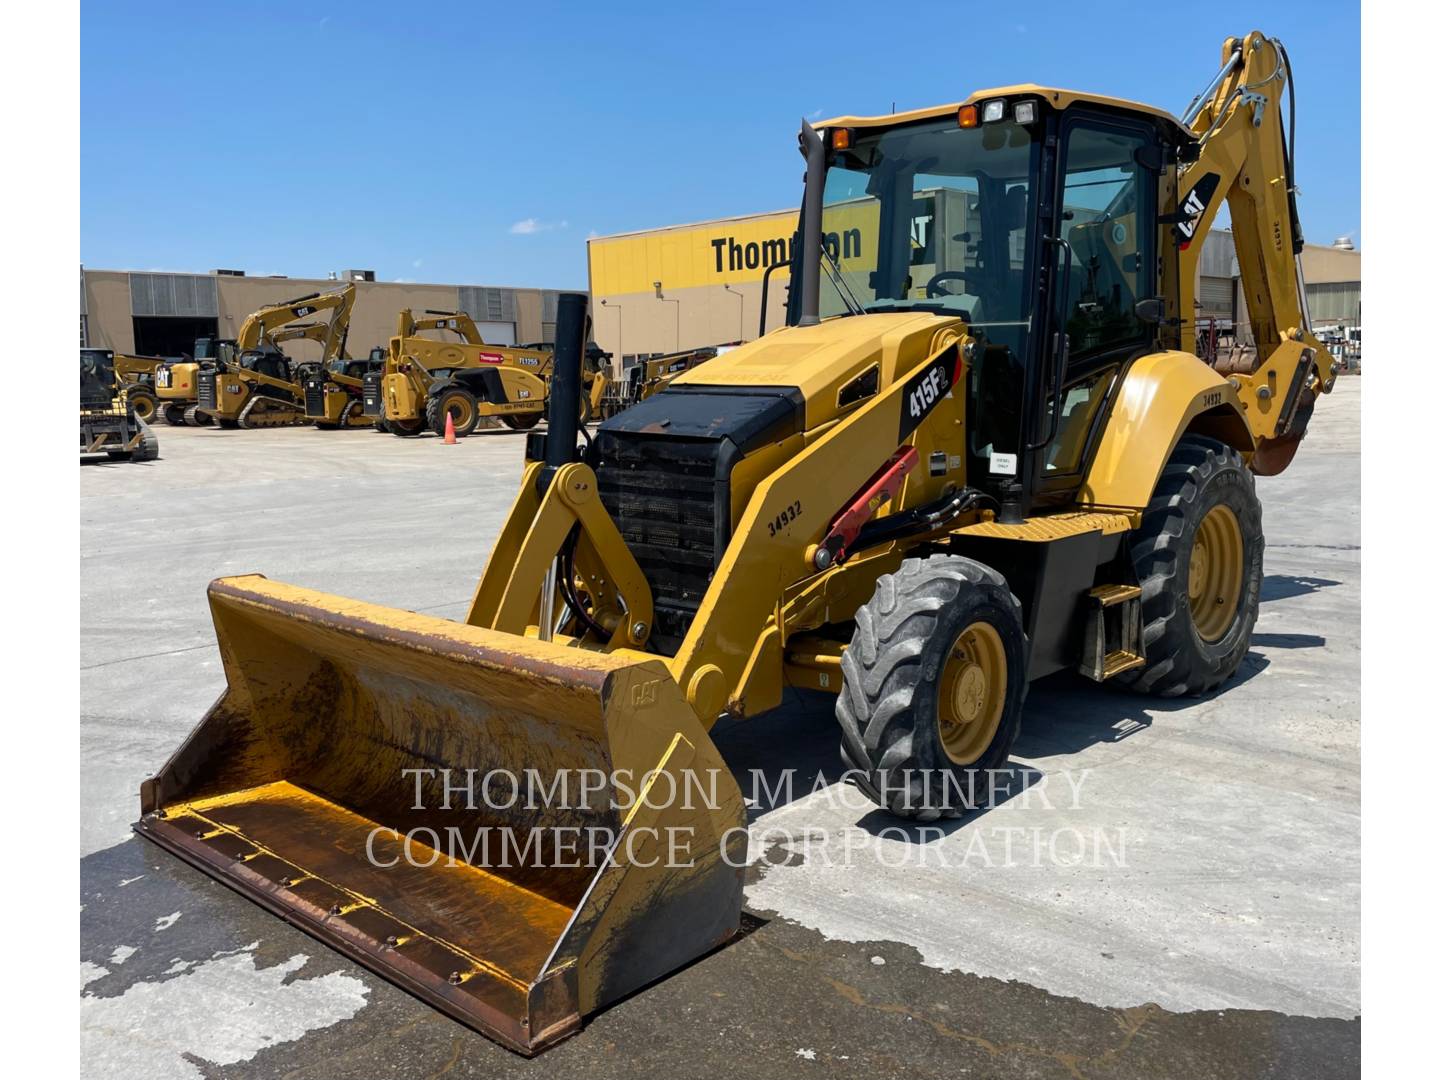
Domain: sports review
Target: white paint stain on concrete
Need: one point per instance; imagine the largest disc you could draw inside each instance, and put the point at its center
(166, 921)
(223, 1011)
(122, 953)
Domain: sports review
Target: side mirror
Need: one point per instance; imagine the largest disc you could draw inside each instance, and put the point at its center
(1151, 309)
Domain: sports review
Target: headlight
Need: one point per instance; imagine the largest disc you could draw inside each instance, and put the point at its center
(992, 111)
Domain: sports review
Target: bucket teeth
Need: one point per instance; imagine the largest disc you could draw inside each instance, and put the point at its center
(341, 782)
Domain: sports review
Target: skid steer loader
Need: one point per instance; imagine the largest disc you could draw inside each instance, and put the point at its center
(982, 449)
(109, 422)
(335, 394)
(426, 379)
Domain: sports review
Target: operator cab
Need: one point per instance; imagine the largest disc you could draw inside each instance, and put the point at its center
(268, 362)
(1030, 213)
(97, 377)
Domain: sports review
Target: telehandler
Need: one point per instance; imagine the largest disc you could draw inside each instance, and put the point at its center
(261, 386)
(136, 375)
(425, 379)
(982, 449)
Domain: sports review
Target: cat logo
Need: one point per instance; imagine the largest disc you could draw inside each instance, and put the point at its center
(645, 693)
(1194, 206)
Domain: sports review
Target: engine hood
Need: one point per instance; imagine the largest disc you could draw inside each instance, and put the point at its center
(822, 360)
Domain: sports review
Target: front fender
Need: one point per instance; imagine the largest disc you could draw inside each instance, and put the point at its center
(1163, 396)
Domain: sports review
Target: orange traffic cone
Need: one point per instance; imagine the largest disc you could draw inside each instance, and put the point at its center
(449, 428)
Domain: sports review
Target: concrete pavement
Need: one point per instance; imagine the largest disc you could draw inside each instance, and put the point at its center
(1171, 888)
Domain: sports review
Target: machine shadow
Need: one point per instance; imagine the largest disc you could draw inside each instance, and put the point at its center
(794, 751)
(1284, 586)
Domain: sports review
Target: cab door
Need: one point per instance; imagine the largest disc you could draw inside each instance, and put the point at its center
(1105, 259)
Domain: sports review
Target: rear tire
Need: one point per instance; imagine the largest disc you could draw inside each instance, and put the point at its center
(459, 403)
(909, 697)
(520, 421)
(1202, 527)
(407, 428)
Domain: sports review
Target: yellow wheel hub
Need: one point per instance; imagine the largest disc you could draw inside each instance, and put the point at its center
(460, 410)
(972, 693)
(1217, 563)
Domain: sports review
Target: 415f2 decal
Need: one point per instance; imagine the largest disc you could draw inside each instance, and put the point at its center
(925, 389)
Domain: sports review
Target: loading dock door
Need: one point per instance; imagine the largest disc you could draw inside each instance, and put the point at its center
(497, 333)
(159, 335)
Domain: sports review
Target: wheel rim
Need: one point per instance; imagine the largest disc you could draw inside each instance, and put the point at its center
(460, 410)
(144, 408)
(972, 693)
(1216, 567)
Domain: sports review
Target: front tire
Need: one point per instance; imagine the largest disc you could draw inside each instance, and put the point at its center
(934, 684)
(143, 403)
(1199, 558)
(460, 404)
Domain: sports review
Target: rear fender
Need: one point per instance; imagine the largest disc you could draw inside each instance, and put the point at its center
(1163, 396)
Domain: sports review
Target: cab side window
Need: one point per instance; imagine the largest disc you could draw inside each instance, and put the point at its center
(1110, 268)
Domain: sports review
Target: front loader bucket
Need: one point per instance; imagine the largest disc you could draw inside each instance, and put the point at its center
(516, 831)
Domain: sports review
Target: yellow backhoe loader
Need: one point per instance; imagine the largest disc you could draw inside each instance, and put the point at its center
(425, 379)
(981, 450)
(261, 386)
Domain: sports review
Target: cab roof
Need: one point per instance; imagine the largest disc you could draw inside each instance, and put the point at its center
(1057, 98)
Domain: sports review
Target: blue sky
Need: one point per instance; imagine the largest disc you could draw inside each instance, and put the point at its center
(483, 143)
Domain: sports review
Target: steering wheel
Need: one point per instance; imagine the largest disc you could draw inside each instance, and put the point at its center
(931, 287)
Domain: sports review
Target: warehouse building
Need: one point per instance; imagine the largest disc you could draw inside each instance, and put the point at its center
(159, 314)
(685, 286)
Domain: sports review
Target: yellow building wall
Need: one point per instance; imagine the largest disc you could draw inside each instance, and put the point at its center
(709, 274)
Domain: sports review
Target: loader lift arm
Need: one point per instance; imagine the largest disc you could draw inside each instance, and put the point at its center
(1244, 157)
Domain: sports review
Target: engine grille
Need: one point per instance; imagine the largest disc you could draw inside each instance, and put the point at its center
(205, 385)
(662, 496)
(314, 397)
(374, 403)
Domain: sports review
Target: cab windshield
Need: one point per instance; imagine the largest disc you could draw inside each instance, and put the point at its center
(932, 216)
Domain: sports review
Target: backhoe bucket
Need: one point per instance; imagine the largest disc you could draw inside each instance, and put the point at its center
(517, 831)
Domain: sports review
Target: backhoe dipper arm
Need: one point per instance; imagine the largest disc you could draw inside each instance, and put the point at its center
(260, 325)
(1242, 157)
